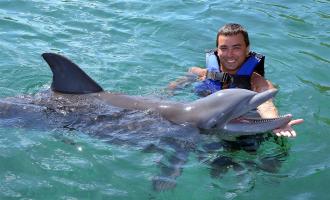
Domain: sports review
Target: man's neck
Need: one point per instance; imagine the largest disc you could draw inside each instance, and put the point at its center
(232, 72)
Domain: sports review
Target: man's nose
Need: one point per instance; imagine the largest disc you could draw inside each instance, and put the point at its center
(230, 52)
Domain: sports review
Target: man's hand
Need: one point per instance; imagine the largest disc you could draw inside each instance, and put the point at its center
(200, 72)
(268, 109)
(287, 130)
(191, 77)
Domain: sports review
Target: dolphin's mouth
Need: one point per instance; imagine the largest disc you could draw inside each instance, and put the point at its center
(254, 120)
(257, 125)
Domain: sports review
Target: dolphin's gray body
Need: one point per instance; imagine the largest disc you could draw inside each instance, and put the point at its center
(220, 110)
(76, 102)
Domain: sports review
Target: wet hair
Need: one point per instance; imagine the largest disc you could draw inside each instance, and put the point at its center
(233, 29)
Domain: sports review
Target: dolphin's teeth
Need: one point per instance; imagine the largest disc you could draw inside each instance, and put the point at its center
(265, 120)
(258, 120)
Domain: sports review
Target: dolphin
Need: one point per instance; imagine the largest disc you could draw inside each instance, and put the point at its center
(227, 110)
(77, 102)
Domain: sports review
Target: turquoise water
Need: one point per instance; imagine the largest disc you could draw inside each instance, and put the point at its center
(137, 47)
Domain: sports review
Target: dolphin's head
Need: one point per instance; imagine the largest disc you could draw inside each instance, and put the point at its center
(246, 121)
(230, 110)
(246, 101)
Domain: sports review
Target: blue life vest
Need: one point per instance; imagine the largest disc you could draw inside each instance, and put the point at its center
(216, 78)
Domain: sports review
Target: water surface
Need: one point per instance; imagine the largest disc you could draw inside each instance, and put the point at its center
(137, 47)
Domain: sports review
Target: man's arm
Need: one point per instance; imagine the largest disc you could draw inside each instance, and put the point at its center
(194, 73)
(268, 109)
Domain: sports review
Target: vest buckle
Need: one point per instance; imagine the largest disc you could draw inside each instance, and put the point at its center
(227, 78)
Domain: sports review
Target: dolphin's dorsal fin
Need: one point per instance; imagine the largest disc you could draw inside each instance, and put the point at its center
(68, 77)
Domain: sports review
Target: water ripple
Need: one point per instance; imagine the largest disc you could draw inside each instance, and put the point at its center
(316, 57)
(137, 47)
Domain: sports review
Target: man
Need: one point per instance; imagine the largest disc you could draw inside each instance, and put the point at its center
(233, 65)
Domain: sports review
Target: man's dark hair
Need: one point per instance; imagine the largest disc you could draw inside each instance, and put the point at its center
(233, 29)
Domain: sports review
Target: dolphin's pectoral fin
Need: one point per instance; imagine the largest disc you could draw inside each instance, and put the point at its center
(179, 144)
(68, 77)
(161, 183)
(169, 171)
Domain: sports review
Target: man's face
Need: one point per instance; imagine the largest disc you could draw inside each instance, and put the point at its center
(232, 52)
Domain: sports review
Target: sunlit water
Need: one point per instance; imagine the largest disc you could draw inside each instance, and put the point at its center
(138, 47)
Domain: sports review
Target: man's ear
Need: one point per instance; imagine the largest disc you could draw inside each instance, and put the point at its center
(247, 51)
